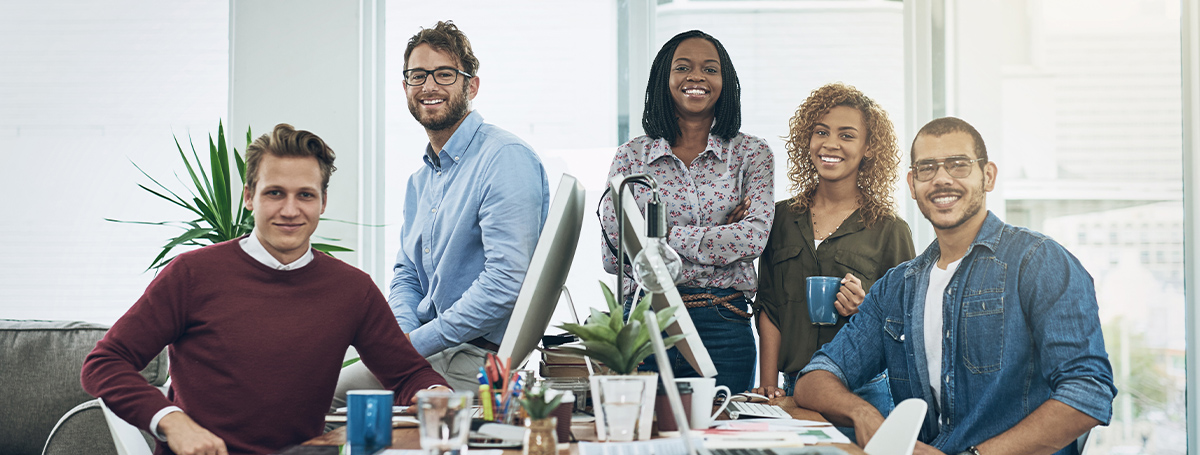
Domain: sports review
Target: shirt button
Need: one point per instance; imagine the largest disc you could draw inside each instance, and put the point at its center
(947, 379)
(947, 334)
(902, 337)
(456, 158)
(432, 210)
(427, 250)
(439, 172)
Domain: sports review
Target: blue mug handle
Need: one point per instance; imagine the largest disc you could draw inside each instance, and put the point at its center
(369, 428)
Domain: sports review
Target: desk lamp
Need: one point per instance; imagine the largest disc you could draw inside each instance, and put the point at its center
(657, 261)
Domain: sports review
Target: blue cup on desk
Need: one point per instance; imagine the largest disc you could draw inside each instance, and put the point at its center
(822, 293)
(368, 420)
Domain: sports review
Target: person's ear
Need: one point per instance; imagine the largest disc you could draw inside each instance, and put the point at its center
(912, 185)
(989, 176)
(248, 197)
(473, 88)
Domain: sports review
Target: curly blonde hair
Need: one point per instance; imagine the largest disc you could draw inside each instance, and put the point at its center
(879, 168)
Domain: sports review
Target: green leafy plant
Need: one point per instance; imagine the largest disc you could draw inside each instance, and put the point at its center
(611, 340)
(215, 200)
(540, 401)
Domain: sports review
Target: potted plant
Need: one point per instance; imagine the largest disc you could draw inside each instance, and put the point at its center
(540, 435)
(620, 345)
(216, 201)
(617, 344)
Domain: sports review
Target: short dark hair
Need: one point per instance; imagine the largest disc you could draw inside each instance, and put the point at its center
(946, 125)
(659, 118)
(287, 141)
(445, 37)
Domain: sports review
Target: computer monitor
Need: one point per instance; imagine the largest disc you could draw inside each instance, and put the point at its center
(547, 272)
(691, 347)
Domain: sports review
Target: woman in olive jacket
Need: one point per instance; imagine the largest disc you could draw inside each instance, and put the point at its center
(843, 164)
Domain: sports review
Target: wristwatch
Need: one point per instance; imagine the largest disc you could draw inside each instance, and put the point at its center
(970, 451)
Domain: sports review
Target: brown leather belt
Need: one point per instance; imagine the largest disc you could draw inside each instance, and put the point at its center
(707, 300)
(485, 344)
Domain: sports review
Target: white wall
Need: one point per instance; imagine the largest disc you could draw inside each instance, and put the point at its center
(85, 88)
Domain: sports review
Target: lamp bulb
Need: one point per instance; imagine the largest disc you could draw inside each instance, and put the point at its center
(657, 266)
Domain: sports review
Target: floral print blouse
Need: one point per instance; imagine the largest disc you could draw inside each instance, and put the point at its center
(697, 199)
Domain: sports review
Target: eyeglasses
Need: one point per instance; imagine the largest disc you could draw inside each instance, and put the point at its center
(443, 76)
(957, 166)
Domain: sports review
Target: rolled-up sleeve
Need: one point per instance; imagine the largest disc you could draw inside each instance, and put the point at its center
(1065, 323)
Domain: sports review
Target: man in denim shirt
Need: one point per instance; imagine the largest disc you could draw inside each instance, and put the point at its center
(994, 326)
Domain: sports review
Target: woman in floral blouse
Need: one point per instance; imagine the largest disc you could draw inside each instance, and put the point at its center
(717, 186)
(843, 163)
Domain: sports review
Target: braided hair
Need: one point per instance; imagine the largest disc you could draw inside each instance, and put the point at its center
(659, 119)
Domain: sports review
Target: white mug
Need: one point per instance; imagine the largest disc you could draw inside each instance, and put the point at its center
(704, 391)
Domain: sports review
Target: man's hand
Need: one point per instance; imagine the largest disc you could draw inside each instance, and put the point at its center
(186, 437)
(926, 449)
(738, 212)
(439, 388)
(865, 425)
(850, 296)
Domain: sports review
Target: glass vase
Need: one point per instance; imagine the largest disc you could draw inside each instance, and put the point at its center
(541, 437)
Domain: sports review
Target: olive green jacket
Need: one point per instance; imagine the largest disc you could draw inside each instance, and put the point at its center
(789, 258)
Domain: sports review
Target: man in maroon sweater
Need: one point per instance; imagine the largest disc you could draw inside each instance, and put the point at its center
(256, 327)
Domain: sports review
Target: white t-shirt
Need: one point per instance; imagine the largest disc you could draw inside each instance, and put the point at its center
(934, 301)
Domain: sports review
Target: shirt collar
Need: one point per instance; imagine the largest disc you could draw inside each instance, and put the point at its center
(458, 147)
(988, 237)
(253, 247)
(717, 146)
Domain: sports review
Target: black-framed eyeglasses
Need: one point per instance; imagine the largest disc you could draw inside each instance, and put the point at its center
(445, 75)
(957, 166)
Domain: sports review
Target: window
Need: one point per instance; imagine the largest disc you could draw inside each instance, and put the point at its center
(1066, 92)
(87, 88)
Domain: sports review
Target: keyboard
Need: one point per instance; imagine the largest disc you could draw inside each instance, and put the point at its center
(737, 409)
(807, 450)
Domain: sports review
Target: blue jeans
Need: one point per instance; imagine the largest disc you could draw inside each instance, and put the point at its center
(726, 337)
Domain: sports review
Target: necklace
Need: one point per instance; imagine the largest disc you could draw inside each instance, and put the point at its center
(817, 233)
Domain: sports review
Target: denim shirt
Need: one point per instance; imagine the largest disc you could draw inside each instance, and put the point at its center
(471, 223)
(1021, 326)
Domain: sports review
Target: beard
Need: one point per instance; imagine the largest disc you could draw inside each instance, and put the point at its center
(974, 200)
(456, 109)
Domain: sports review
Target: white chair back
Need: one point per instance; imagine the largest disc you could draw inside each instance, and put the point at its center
(898, 434)
(126, 437)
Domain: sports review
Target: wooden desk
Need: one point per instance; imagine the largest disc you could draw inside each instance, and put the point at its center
(407, 438)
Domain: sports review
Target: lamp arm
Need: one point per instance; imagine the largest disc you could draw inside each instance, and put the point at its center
(645, 179)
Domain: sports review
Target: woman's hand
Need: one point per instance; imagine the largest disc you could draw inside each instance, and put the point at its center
(738, 212)
(769, 391)
(850, 296)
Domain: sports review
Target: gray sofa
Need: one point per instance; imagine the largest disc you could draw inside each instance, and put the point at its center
(43, 408)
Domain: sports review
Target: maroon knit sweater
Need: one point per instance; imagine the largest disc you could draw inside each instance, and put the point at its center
(254, 352)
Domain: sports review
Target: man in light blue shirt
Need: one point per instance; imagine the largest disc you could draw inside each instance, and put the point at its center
(995, 327)
(472, 214)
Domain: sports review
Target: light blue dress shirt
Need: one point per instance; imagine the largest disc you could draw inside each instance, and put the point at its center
(470, 226)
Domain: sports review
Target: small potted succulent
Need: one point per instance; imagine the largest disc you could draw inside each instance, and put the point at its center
(620, 344)
(541, 437)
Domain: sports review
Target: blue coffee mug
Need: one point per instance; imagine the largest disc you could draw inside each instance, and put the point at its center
(369, 420)
(822, 293)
